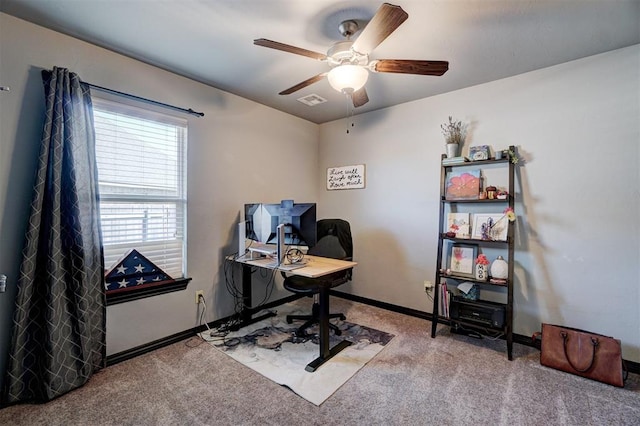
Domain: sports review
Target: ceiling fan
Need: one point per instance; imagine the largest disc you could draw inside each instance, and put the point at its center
(349, 59)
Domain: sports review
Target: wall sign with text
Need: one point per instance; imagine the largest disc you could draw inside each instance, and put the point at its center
(345, 177)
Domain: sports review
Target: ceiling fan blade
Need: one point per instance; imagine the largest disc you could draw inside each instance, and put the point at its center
(304, 84)
(288, 48)
(384, 22)
(407, 66)
(359, 98)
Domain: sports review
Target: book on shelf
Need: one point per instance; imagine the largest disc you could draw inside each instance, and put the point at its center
(444, 300)
(454, 160)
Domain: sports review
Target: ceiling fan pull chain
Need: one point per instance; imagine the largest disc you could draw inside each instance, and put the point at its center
(350, 108)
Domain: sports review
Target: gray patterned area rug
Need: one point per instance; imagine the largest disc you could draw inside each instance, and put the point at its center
(271, 348)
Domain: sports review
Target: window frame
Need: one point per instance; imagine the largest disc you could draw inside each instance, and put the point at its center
(136, 109)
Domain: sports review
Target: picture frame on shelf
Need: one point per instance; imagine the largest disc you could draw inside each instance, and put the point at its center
(500, 230)
(490, 226)
(479, 152)
(459, 224)
(461, 260)
(462, 185)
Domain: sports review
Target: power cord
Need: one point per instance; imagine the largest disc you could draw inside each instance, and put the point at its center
(202, 320)
(293, 255)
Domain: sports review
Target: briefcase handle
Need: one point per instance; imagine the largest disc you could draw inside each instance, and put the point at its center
(594, 343)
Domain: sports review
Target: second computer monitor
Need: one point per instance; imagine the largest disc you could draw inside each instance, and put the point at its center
(299, 220)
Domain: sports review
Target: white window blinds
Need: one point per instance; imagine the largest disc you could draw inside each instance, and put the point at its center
(141, 156)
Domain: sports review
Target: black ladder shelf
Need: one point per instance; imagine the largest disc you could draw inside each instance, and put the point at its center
(480, 326)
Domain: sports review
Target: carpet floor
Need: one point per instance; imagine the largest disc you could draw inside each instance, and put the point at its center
(415, 380)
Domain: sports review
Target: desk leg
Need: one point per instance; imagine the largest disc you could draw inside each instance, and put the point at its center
(326, 353)
(246, 315)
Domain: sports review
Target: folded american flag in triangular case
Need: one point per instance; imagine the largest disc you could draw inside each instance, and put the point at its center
(133, 271)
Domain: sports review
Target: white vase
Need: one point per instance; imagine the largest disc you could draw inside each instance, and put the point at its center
(500, 268)
(452, 150)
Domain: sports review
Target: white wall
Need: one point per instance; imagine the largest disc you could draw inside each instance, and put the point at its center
(576, 126)
(235, 156)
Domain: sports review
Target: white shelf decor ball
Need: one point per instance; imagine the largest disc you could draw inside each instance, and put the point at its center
(500, 268)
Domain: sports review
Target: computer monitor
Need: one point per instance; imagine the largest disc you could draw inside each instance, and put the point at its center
(299, 220)
(253, 222)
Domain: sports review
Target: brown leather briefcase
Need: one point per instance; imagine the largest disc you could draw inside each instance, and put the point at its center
(585, 354)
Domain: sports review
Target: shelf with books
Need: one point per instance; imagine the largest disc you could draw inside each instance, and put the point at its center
(468, 230)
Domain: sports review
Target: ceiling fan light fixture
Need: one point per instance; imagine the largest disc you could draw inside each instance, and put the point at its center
(348, 78)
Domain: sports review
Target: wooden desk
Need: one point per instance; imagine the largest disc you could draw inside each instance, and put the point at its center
(316, 267)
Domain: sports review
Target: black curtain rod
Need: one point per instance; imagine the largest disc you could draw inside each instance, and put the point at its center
(47, 73)
(149, 101)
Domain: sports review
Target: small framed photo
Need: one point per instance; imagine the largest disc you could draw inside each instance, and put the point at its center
(490, 226)
(480, 152)
(458, 223)
(462, 258)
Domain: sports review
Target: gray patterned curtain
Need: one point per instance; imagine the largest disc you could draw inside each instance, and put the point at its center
(58, 339)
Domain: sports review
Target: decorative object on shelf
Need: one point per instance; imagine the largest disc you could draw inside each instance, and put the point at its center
(480, 152)
(498, 155)
(452, 150)
(485, 229)
(500, 229)
(511, 215)
(502, 195)
(458, 225)
(461, 257)
(468, 291)
(482, 268)
(450, 161)
(454, 133)
(483, 224)
(462, 185)
(492, 192)
(500, 269)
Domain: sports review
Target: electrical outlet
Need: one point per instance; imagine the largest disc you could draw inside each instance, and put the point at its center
(428, 284)
(198, 294)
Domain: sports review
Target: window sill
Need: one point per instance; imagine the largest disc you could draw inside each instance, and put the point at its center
(126, 295)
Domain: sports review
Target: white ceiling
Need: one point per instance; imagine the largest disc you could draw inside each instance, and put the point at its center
(211, 41)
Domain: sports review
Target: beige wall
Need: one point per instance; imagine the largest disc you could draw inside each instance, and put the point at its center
(576, 126)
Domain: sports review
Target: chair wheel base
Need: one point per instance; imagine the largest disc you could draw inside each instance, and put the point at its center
(312, 320)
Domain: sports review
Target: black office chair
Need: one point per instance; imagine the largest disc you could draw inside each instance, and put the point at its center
(334, 240)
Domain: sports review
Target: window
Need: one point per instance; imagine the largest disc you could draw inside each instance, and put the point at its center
(141, 157)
